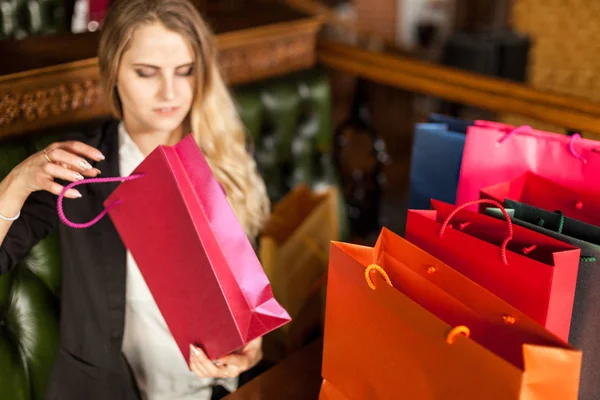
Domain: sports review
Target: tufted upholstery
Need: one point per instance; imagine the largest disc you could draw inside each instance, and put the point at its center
(290, 123)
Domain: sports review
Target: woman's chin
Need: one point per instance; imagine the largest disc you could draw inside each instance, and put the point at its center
(166, 124)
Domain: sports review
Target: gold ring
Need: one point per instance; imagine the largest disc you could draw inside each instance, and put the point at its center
(46, 156)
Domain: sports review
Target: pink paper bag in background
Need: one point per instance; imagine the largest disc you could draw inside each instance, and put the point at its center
(543, 193)
(496, 153)
(174, 217)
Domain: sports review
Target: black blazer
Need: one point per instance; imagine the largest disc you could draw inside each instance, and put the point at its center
(90, 364)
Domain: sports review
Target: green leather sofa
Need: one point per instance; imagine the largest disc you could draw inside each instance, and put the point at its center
(289, 120)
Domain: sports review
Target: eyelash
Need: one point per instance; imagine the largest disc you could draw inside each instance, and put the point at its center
(141, 74)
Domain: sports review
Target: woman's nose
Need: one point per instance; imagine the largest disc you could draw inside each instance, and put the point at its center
(167, 90)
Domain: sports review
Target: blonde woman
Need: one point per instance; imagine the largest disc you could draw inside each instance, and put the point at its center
(161, 80)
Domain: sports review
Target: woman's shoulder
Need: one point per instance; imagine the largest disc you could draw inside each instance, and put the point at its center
(96, 135)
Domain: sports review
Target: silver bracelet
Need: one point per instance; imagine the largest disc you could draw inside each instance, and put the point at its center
(11, 219)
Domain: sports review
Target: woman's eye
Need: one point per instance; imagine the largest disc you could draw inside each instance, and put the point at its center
(186, 72)
(144, 74)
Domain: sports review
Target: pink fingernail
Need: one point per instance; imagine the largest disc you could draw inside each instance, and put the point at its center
(85, 165)
(75, 193)
(194, 350)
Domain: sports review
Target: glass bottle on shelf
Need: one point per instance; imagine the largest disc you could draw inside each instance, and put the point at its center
(80, 18)
(359, 155)
(52, 14)
(8, 19)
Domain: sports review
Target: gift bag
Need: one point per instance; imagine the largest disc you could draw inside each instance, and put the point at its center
(496, 153)
(174, 217)
(435, 160)
(585, 323)
(543, 193)
(531, 271)
(400, 324)
(294, 249)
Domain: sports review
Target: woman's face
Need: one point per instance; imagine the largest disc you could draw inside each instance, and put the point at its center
(156, 80)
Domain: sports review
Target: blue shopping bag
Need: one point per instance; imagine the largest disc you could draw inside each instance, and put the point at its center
(435, 160)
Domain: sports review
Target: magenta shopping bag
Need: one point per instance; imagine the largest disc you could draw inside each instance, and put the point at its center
(496, 153)
(174, 217)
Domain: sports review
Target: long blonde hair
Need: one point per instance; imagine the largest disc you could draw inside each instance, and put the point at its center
(213, 117)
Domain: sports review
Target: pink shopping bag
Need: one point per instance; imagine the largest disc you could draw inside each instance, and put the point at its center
(174, 217)
(496, 153)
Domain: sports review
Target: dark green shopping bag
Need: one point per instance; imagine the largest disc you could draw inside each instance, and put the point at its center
(585, 322)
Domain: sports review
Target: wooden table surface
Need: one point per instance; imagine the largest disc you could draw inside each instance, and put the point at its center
(298, 377)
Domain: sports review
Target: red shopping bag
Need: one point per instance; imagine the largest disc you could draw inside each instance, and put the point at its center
(531, 271)
(395, 319)
(174, 217)
(496, 153)
(546, 194)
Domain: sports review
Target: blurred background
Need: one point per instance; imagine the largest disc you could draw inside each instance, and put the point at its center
(544, 46)
(330, 92)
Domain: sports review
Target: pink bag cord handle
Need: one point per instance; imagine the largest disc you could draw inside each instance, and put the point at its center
(493, 202)
(526, 129)
(518, 129)
(575, 137)
(59, 203)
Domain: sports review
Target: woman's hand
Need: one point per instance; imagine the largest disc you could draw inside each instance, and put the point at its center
(63, 160)
(228, 366)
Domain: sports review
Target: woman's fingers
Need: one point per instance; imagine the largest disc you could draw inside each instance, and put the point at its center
(196, 366)
(56, 171)
(232, 371)
(237, 361)
(62, 157)
(53, 171)
(246, 357)
(202, 365)
(65, 161)
(56, 189)
(78, 148)
(203, 362)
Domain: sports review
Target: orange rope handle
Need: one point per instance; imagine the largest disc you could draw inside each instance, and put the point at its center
(378, 269)
(457, 330)
(488, 201)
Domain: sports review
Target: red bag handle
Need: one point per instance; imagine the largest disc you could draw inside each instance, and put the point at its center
(493, 202)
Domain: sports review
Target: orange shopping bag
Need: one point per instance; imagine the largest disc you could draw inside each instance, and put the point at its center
(400, 324)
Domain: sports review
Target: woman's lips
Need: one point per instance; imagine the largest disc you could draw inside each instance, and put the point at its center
(166, 111)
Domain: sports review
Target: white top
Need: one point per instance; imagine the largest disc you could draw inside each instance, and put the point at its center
(158, 366)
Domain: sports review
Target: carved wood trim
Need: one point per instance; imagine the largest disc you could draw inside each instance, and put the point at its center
(46, 102)
(69, 93)
(255, 54)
